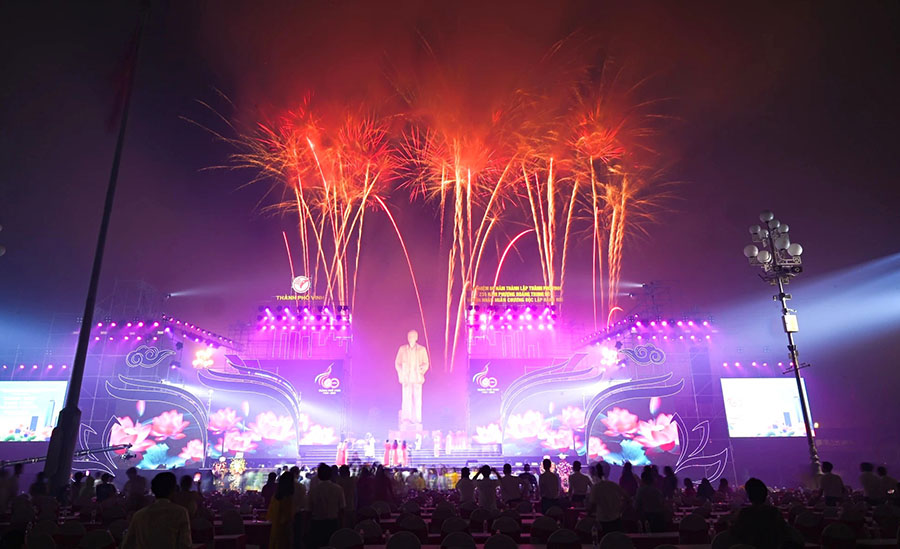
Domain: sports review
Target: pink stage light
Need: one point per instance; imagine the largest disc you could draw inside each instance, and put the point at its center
(690, 322)
(64, 366)
(96, 338)
(680, 323)
(99, 324)
(21, 366)
(113, 325)
(49, 366)
(128, 325)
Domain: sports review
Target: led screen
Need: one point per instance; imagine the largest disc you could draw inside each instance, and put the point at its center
(28, 409)
(763, 407)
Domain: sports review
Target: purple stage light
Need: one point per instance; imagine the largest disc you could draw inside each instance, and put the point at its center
(112, 325)
(99, 324)
(96, 338)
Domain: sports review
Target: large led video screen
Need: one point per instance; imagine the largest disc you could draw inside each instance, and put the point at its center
(763, 407)
(28, 409)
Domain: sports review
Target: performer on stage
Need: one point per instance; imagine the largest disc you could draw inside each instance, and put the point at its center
(387, 453)
(404, 454)
(395, 454)
(411, 364)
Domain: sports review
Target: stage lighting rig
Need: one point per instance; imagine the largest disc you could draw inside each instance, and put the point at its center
(779, 258)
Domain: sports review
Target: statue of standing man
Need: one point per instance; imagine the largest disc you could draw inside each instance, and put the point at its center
(411, 364)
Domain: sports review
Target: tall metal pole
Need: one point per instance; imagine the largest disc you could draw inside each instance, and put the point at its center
(795, 366)
(61, 449)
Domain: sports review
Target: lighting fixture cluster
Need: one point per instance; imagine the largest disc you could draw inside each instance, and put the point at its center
(196, 333)
(539, 317)
(320, 318)
(654, 330)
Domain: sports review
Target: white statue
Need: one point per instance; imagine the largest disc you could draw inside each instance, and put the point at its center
(411, 364)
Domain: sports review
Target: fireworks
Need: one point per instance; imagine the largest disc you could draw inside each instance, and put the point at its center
(556, 163)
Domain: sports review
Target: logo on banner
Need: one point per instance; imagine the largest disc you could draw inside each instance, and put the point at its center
(486, 384)
(328, 385)
(301, 284)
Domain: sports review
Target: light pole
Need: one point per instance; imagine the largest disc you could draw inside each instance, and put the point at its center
(780, 261)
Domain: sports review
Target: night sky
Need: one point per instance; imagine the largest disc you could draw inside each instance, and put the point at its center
(790, 107)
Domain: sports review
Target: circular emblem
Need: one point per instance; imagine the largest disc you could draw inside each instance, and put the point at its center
(301, 284)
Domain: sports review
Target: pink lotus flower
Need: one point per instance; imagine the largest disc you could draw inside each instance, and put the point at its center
(573, 417)
(318, 434)
(223, 420)
(268, 426)
(619, 421)
(596, 448)
(169, 425)
(236, 441)
(192, 451)
(661, 433)
(486, 435)
(560, 439)
(528, 425)
(128, 432)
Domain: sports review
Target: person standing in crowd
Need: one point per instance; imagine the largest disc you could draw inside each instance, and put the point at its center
(39, 487)
(135, 489)
(365, 488)
(706, 491)
(299, 506)
(5, 495)
(689, 494)
(384, 489)
(487, 487)
(724, 492)
(871, 484)
(510, 487)
(465, 487)
(326, 507)
(281, 513)
(162, 523)
(607, 500)
(579, 484)
(649, 503)
(628, 481)
(75, 488)
(549, 486)
(106, 489)
(186, 496)
(87, 493)
(888, 483)
(529, 483)
(760, 525)
(269, 488)
(669, 483)
(348, 485)
(831, 485)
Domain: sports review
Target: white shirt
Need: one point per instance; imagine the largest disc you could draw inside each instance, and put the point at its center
(466, 490)
(608, 499)
(579, 484)
(832, 486)
(510, 487)
(326, 500)
(161, 524)
(871, 485)
(548, 484)
(487, 493)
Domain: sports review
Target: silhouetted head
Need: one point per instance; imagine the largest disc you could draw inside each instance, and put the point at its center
(882, 471)
(106, 478)
(464, 473)
(688, 483)
(756, 491)
(626, 468)
(131, 472)
(344, 471)
(507, 469)
(647, 477)
(163, 485)
(527, 467)
(272, 478)
(827, 466)
(668, 471)
(187, 481)
(866, 467)
(547, 464)
(576, 466)
(323, 472)
(285, 486)
(295, 472)
(485, 470)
